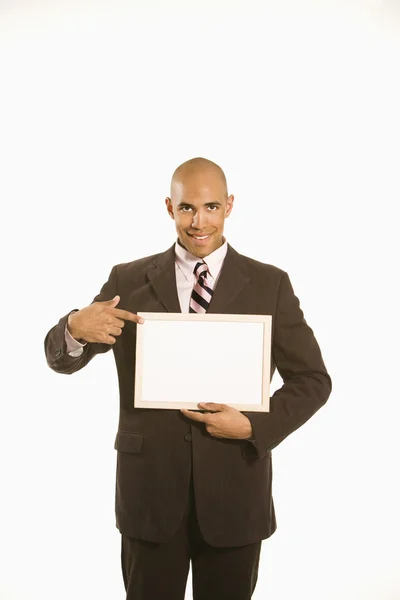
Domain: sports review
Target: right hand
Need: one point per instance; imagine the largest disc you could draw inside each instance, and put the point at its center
(100, 322)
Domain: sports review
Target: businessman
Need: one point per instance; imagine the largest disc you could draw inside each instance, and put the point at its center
(195, 485)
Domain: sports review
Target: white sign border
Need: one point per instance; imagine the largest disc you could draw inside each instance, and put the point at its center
(266, 320)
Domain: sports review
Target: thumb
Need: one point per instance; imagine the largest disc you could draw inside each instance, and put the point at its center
(113, 302)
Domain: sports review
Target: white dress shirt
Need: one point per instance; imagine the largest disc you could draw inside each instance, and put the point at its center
(185, 263)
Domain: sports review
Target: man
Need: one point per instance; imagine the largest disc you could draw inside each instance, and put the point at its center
(195, 485)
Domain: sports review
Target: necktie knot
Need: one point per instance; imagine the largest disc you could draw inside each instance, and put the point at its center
(201, 269)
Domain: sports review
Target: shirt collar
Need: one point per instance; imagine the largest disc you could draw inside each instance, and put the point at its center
(187, 261)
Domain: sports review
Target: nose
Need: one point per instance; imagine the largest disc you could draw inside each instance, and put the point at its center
(199, 220)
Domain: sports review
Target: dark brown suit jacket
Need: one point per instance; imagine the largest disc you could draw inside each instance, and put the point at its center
(157, 448)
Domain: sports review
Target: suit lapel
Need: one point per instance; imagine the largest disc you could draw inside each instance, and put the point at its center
(232, 280)
(162, 277)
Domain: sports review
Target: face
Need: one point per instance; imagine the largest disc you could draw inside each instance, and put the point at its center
(199, 207)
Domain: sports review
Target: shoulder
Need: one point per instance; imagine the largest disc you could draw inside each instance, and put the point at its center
(140, 264)
(256, 268)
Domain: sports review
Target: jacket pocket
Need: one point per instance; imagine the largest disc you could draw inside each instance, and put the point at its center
(127, 441)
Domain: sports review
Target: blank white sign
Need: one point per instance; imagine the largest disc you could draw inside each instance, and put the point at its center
(184, 359)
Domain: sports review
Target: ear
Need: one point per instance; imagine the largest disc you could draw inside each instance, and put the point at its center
(168, 203)
(229, 205)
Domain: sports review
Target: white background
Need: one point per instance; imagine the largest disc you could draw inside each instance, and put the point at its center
(299, 104)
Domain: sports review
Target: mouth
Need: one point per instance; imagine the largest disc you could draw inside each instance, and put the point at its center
(199, 238)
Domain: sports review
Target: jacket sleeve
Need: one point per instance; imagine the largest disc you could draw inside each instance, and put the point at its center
(306, 382)
(55, 345)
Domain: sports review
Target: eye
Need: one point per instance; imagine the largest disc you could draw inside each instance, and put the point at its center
(183, 208)
(213, 206)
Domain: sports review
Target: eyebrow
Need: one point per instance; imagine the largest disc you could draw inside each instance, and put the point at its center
(216, 203)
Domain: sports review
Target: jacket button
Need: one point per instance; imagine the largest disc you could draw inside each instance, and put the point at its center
(188, 437)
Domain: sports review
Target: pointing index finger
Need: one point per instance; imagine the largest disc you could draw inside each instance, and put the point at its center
(127, 315)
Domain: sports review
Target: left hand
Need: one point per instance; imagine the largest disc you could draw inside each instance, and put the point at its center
(224, 422)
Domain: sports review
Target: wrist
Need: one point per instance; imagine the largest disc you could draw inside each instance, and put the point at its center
(71, 326)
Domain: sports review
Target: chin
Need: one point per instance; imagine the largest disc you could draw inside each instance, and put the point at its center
(201, 253)
(199, 250)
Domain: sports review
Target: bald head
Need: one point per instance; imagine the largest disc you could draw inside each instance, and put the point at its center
(198, 170)
(199, 205)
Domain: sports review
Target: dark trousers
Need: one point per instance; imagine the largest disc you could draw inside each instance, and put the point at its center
(154, 571)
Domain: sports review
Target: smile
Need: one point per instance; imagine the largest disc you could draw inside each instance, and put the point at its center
(198, 237)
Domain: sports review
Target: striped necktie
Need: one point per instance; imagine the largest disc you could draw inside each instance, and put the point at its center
(202, 291)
